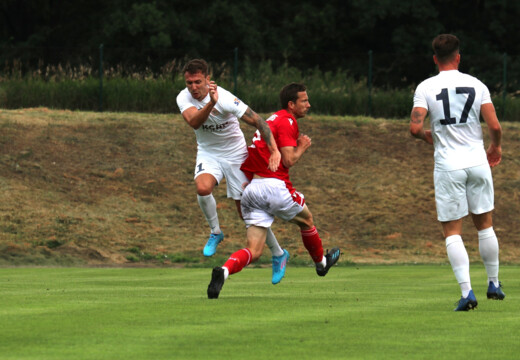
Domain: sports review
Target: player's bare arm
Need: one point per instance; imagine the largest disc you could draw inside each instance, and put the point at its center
(252, 118)
(195, 118)
(494, 151)
(291, 154)
(417, 125)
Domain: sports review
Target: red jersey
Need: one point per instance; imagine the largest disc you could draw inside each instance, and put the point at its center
(284, 128)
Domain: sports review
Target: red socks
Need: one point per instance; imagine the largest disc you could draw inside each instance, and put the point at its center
(238, 260)
(312, 242)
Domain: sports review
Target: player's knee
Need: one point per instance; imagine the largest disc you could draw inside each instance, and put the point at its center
(308, 221)
(306, 226)
(305, 223)
(255, 254)
(203, 190)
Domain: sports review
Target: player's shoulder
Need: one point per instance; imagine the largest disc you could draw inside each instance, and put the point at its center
(222, 91)
(281, 116)
(468, 77)
(278, 120)
(225, 95)
(227, 98)
(184, 95)
(426, 83)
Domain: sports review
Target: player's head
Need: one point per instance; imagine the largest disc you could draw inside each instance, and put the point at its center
(197, 78)
(446, 48)
(295, 100)
(195, 66)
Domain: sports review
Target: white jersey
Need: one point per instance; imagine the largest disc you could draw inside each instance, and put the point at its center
(453, 100)
(220, 135)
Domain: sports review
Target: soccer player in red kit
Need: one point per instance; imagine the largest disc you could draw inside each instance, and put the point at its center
(272, 194)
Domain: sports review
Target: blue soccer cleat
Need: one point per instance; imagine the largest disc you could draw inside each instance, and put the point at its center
(494, 292)
(211, 246)
(279, 265)
(332, 257)
(467, 303)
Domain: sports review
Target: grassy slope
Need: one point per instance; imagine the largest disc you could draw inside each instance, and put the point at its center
(100, 188)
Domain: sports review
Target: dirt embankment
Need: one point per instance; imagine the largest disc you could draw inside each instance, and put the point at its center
(117, 189)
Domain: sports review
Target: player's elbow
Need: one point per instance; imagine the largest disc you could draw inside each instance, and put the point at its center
(193, 124)
(288, 163)
(415, 131)
(495, 128)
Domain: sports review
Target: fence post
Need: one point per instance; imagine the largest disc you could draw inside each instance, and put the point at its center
(235, 72)
(369, 83)
(504, 86)
(100, 78)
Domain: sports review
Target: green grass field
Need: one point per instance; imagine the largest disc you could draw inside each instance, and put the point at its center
(363, 312)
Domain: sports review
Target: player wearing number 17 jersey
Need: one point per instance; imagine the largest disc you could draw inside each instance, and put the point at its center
(462, 175)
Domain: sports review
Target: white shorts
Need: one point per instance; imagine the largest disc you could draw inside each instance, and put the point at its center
(220, 168)
(264, 199)
(460, 191)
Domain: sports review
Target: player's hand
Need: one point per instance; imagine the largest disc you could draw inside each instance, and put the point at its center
(213, 93)
(428, 136)
(494, 155)
(274, 160)
(303, 141)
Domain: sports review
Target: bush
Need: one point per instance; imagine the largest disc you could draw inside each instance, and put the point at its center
(330, 93)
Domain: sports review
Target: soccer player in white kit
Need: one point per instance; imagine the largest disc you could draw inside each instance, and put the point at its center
(213, 113)
(462, 175)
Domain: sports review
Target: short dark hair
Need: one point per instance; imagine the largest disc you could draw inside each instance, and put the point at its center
(196, 65)
(445, 47)
(290, 93)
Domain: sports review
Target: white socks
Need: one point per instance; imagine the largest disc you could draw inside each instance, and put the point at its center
(226, 272)
(208, 206)
(272, 243)
(488, 247)
(322, 263)
(459, 261)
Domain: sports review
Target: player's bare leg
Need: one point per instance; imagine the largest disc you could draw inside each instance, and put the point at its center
(280, 256)
(238, 260)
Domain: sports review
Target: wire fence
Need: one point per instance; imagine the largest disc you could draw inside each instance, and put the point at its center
(380, 71)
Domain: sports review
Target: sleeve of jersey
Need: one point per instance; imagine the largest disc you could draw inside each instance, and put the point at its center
(419, 100)
(231, 103)
(183, 102)
(486, 96)
(286, 134)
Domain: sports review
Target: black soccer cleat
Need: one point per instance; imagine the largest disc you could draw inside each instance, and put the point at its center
(216, 283)
(332, 257)
(467, 303)
(494, 292)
